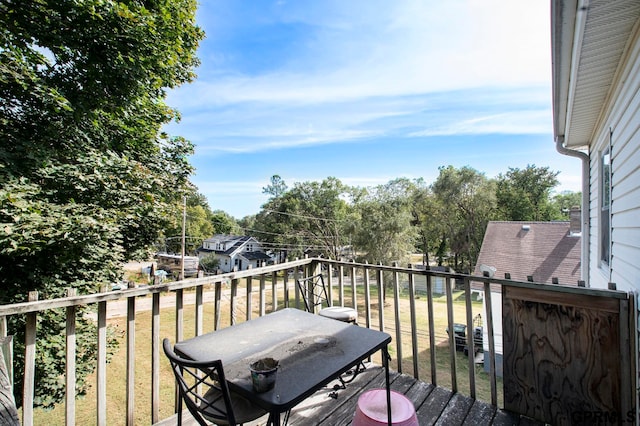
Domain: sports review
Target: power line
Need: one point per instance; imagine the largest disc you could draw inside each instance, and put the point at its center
(303, 216)
(305, 240)
(265, 232)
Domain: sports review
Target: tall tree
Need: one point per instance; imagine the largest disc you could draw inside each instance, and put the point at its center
(307, 218)
(276, 188)
(466, 200)
(383, 231)
(424, 209)
(87, 179)
(525, 194)
(223, 223)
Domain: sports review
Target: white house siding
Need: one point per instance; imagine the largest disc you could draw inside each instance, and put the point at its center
(622, 116)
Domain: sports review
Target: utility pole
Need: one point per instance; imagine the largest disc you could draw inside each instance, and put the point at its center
(184, 225)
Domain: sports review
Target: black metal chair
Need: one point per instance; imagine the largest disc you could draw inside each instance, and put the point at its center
(203, 388)
(315, 295)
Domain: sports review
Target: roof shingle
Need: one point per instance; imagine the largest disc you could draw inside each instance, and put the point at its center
(544, 250)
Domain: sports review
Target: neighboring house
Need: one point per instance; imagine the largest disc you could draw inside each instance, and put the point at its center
(543, 252)
(242, 252)
(532, 251)
(596, 117)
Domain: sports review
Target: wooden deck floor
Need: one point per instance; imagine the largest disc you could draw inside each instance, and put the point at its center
(434, 405)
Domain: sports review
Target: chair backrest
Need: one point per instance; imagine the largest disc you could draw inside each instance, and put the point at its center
(313, 291)
(203, 388)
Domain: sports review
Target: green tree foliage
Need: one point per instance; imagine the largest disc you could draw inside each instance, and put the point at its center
(308, 218)
(424, 210)
(525, 194)
(223, 223)
(446, 220)
(247, 224)
(563, 202)
(276, 188)
(383, 231)
(87, 178)
(466, 202)
(209, 263)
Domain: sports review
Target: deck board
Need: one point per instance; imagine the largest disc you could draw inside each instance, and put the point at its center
(455, 411)
(434, 405)
(481, 413)
(430, 410)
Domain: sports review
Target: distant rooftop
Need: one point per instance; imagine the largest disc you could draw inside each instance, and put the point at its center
(544, 250)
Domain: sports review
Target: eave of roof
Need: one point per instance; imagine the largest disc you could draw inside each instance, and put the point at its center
(588, 41)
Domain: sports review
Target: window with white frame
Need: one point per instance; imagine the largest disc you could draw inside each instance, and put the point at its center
(605, 206)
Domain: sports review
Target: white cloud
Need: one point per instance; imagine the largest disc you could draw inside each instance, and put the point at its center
(394, 49)
(517, 122)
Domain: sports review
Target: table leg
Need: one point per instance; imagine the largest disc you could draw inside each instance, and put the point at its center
(274, 419)
(385, 362)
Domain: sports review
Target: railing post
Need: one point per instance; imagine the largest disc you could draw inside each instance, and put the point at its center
(234, 301)
(179, 334)
(295, 285)
(8, 410)
(263, 295)
(627, 384)
(249, 297)
(3, 326)
(341, 284)
(70, 368)
(199, 310)
(396, 313)
(155, 357)
(29, 364)
(101, 370)
(131, 357)
(381, 298)
(330, 282)
(179, 314)
(354, 303)
(367, 295)
(432, 333)
(285, 281)
(452, 336)
(217, 299)
(471, 351)
(7, 352)
(492, 344)
(274, 291)
(414, 327)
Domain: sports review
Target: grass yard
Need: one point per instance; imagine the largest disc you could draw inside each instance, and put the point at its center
(116, 369)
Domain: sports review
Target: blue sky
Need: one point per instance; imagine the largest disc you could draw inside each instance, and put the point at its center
(366, 91)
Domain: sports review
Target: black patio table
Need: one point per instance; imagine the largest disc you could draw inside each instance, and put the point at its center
(312, 351)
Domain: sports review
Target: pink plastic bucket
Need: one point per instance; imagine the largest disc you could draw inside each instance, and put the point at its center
(372, 409)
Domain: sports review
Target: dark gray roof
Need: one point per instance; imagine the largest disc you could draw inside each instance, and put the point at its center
(255, 255)
(238, 241)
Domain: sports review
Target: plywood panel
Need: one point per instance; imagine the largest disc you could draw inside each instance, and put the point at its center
(561, 361)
